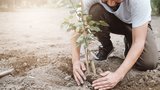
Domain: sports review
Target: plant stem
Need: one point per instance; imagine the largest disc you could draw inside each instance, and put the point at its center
(93, 67)
(86, 49)
(87, 61)
(85, 34)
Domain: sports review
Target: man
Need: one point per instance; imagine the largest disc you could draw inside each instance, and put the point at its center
(126, 17)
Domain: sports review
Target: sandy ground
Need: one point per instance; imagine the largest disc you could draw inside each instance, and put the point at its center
(33, 43)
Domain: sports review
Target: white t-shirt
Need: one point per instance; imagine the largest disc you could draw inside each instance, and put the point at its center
(135, 12)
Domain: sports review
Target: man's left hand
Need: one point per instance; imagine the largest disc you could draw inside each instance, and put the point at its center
(108, 81)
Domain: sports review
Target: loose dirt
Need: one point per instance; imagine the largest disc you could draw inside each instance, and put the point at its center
(33, 43)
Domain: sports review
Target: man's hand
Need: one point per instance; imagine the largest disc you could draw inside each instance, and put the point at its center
(108, 81)
(78, 68)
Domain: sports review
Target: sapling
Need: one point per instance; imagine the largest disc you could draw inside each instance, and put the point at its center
(85, 27)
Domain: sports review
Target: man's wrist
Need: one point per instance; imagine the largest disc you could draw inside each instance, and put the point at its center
(121, 74)
(74, 60)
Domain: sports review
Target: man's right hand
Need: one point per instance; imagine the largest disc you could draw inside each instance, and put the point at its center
(78, 71)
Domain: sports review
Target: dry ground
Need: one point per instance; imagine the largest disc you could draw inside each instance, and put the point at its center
(33, 43)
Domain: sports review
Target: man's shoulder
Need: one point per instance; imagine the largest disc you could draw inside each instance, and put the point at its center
(138, 1)
(87, 2)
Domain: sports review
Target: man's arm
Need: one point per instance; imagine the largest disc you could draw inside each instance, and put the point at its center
(138, 41)
(78, 66)
(109, 79)
(75, 48)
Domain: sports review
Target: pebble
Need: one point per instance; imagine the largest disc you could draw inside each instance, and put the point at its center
(31, 77)
(69, 84)
(38, 60)
(148, 71)
(141, 80)
(4, 85)
(68, 78)
(155, 71)
(146, 77)
(152, 83)
(99, 70)
(158, 68)
(25, 64)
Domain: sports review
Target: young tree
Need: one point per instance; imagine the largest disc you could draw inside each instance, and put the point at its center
(85, 27)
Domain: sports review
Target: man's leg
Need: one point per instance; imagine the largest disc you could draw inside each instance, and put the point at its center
(98, 12)
(149, 57)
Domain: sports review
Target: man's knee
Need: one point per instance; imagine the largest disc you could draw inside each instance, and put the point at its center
(143, 66)
(96, 11)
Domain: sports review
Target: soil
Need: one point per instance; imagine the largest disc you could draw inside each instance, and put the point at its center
(33, 43)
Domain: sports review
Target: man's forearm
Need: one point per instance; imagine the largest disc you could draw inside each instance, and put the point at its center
(75, 48)
(133, 55)
(139, 35)
(75, 53)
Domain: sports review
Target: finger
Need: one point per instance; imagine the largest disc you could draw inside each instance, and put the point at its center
(101, 83)
(99, 80)
(105, 73)
(82, 74)
(79, 77)
(106, 88)
(102, 87)
(77, 81)
(83, 66)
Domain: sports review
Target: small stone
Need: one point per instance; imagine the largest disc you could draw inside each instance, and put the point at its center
(38, 60)
(25, 64)
(4, 85)
(155, 71)
(68, 78)
(158, 68)
(69, 84)
(146, 78)
(152, 83)
(141, 81)
(148, 71)
(99, 70)
(31, 77)
(21, 88)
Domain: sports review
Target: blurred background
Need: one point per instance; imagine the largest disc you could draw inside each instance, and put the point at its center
(23, 4)
(34, 44)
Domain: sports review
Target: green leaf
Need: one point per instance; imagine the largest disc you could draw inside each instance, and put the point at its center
(79, 14)
(71, 26)
(78, 6)
(79, 9)
(65, 24)
(89, 17)
(97, 29)
(97, 23)
(92, 23)
(70, 17)
(78, 29)
(80, 40)
(72, 11)
(103, 23)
